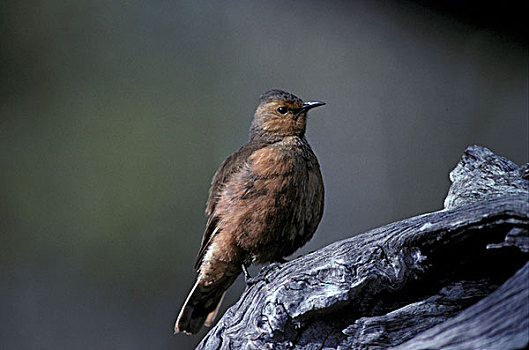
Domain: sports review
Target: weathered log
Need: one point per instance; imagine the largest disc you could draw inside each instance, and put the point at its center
(444, 279)
(489, 324)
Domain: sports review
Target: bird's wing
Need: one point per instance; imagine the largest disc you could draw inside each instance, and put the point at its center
(230, 166)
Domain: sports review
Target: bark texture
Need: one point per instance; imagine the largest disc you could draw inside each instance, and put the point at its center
(457, 278)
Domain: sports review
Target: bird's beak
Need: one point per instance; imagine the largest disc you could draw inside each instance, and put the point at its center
(309, 105)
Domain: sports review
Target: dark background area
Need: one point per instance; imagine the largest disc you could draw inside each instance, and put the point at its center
(115, 115)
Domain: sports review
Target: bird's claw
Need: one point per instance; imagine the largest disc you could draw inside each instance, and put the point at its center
(262, 276)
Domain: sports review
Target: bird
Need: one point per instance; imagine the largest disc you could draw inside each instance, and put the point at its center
(265, 202)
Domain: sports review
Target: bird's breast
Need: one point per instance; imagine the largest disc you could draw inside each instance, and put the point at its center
(287, 181)
(271, 162)
(273, 205)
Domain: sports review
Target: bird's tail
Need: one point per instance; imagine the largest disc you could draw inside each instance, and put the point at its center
(203, 303)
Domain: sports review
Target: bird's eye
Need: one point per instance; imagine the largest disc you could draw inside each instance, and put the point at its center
(282, 110)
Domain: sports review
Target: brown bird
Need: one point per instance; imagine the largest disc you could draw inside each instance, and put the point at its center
(265, 202)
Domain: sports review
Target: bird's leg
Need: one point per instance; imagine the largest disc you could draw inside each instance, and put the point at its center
(249, 279)
(247, 276)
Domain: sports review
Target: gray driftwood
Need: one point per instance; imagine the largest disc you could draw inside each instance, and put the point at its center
(453, 279)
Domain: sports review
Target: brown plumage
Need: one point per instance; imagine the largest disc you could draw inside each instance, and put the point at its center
(265, 202)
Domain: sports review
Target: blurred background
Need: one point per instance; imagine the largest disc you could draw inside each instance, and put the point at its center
(116, 114)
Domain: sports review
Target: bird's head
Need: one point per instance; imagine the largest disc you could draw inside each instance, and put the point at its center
(280, 114)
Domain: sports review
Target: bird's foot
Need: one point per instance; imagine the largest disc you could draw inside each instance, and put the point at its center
(250, 281)
(270, 267)
(246, 273)
(253, 280)
(262, 276)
